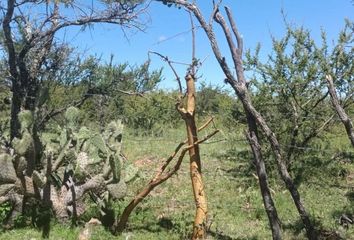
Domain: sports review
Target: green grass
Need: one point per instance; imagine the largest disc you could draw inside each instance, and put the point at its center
(234, 201)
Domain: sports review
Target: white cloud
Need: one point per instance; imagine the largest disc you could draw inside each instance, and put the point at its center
(162, 38)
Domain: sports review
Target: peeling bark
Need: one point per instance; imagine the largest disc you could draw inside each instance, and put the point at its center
(160, 177)
(195, 163)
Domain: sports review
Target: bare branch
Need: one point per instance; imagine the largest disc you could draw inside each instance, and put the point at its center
(166, 59)
(206, 124)
(316, 131)
(318, 101)
(215, 10)
(131, 93)
(210, 34)
(235, 53)
(235, 31)
(192, 67)
(55, 112)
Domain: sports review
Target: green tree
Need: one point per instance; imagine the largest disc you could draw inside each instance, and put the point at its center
(152, 113)
(29, 40)
(290, 87)
(114, 88)
(215, 101)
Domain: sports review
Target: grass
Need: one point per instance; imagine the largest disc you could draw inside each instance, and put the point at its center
(234, 201)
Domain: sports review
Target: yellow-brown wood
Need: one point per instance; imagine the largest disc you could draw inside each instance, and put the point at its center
(195, 163)
(195, 167)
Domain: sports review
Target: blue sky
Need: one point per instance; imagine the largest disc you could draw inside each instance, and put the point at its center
(167, 33)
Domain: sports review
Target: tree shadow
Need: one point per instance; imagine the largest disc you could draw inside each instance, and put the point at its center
(297, 229)
(164, 224)
(345, 216)
(350, 197)
(307, 169)
(221, 236)
(241, 159)
(167, 224)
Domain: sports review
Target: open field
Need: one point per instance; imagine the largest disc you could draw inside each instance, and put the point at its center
(235, 204)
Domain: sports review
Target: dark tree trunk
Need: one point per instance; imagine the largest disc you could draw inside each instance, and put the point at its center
(15, 109)
(32, 87)
(17, 95)
(282, 168)
(31, 104)
(38, 146)
(46, 201)
(268, 202)
(340, 111)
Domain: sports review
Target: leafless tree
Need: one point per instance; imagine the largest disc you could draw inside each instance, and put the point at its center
(239, 84)
(186, 108)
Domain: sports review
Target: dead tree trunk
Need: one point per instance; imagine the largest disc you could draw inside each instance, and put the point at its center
(161, 176)
(188, 115)
(282, 168)
(195, 163)
(339, 109)
(274, 222)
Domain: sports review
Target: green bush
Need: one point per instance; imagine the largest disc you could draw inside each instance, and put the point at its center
(153, 112)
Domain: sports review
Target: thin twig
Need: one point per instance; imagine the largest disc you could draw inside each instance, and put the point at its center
(165, 58)
(192, 66)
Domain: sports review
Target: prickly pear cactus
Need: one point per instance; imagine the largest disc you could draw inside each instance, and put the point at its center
(17, 165)
(113, 139)
(72, 116)
(7, 170)
(113, 135)
(24, 144)
(77, 160)
(94, 158)
(24, 150)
